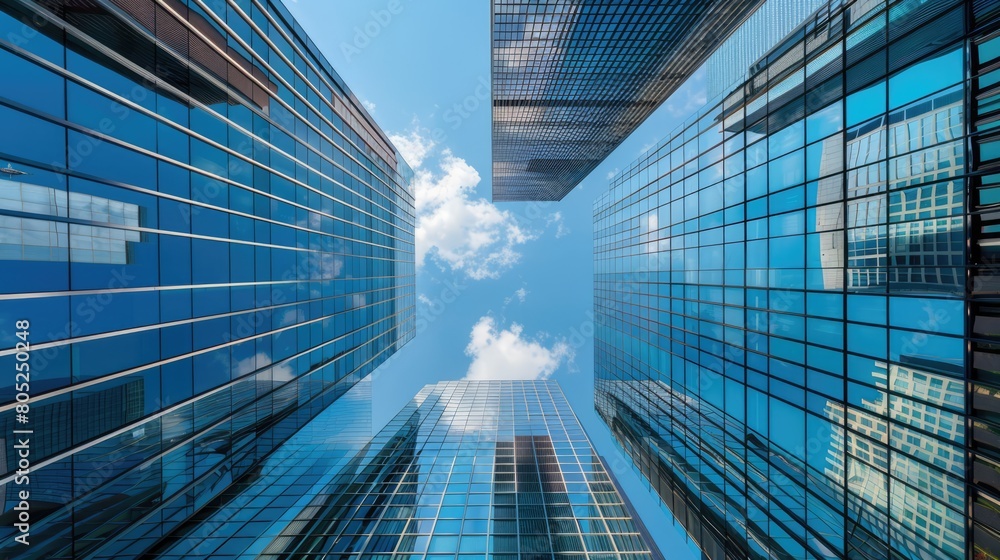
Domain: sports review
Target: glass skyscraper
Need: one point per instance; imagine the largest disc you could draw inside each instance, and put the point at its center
(252, 517)
(204, 239)
(467, 470)
(796, 295)
(755, 37)
(572, 79)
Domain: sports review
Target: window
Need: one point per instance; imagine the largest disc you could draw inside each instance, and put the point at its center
(925, 77)
(31, 84)
(865, 104)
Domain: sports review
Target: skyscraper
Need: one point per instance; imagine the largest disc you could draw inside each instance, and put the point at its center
(206, 241)
(571, 80)
(768, 26)
(795, 295)
(498, 469)
(251, 517)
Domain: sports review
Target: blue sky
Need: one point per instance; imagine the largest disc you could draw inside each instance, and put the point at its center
(504, 291)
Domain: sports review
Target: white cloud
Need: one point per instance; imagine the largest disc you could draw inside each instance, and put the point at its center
(466, 234)
(557, 219)
(504, 354)
(689, 97)
(368, 105)
(414, 147)
(280, 372)
(612, 173)
(456, 228)
(291, 317)
(520, 295)
(327, 265)
(651, 223)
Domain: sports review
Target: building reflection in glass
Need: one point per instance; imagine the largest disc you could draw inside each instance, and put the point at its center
(199, 218)
(783, 339)
(904, 490)
(891, 467)
(76, 239)
(494, 468)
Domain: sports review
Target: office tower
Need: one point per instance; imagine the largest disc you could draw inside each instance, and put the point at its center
(251, 515)
(796, 295)
(754, 38)
(499, 469)
(210, 240)
(571, 80)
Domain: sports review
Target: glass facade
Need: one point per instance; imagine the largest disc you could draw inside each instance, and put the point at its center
(211, 241)
(249, 517)
(795, 295)
(572, 79)
(773, 23)
(467, 470)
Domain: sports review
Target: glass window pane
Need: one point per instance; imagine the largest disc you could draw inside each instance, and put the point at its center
(865, 104)
(925, 77)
